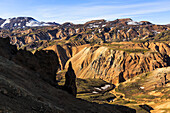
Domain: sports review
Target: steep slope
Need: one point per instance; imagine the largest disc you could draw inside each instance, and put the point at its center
(28, 84)
(21, 90)
(116, 65)
(65, 52)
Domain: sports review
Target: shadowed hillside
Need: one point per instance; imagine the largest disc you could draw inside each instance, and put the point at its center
(27, 84)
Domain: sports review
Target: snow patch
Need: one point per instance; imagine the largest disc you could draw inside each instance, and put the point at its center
(100, 30)
(142, 87)
(156, 32)
(77, 30)
(34, 23)
(95, 92)
(15, 24)
(105, 87)
(6, 22)
(93, 26)
(103, 25)
(97, 88)
(133, 23)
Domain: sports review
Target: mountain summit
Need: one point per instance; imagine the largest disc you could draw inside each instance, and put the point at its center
(22, 22)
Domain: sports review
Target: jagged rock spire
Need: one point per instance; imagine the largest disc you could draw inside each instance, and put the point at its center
(70, 83)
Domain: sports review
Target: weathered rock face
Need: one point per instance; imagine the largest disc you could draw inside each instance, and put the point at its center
(70, 83)
(7, 50)
(117, 65)
(65, 52)
(44, 62)
(49, 64)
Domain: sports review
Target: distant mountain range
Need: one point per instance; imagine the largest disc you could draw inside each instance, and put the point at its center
(22, 22)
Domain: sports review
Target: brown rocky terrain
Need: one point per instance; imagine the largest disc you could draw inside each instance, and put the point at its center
(27, 84)
(117, 64)
(151, 89)
(65, 52)
(111, 61)
(96, 31)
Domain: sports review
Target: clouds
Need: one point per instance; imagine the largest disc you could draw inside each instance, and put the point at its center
(80, 13)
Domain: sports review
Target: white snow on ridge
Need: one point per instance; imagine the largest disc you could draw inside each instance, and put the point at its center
(77, 30)
(15, 24)
(6, 22)
(93, 26)
(133, 23)
(156, 32)
(103, 25)
(34, 23)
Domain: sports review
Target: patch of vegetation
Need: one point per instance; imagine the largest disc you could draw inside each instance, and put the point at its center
(131, 50)
(89, 31)
(99, 97)
(113, 45)
(85, 88)
(87, 85)
(138, 109)
(167, 109)
(51, 43)
(136, 50)
(163, 36)
(141, 40)
(165, 91)
(144, 96)
(123, 101)
(40, 48)
(95, 41)
(131, 88)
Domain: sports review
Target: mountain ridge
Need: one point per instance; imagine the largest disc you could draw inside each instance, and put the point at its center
(22, 22)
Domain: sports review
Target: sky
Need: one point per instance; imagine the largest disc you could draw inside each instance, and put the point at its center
(81, 11)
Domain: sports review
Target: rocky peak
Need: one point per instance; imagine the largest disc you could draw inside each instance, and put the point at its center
(125, 20)
(145, 23)
(67, 24)
(43, 62)
(22, 22)
(96, 21)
